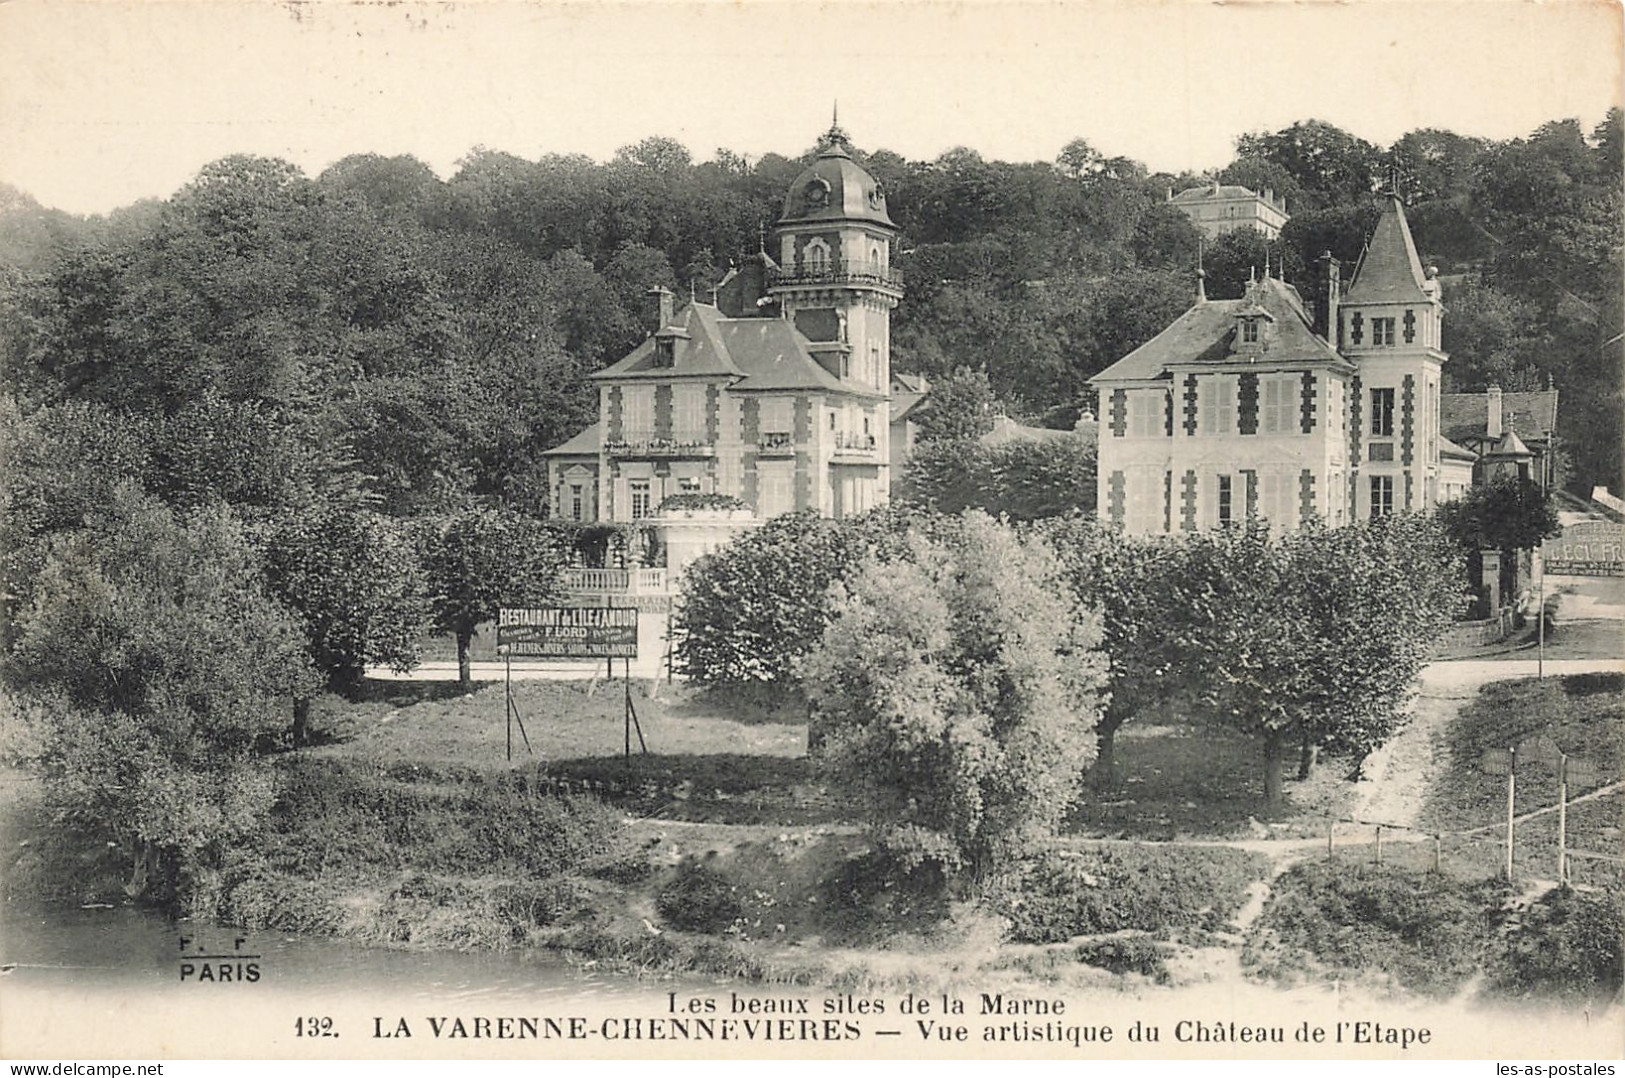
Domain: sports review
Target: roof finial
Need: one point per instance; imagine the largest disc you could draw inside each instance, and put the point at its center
(834, 138)
(761, 237)
(1201, 274)
(1266, 260)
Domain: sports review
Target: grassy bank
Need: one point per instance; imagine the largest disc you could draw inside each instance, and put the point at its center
(1581, 715)
(1391, 929)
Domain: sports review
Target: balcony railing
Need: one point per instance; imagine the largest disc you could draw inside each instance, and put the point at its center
(647, 443)
(775, 444)
(838, 271)
(863, 445)
(617, 581)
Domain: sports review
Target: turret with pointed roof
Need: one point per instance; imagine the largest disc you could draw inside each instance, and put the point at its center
(1256, 406)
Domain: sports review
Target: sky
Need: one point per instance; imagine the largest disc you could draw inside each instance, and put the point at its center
(104, 103)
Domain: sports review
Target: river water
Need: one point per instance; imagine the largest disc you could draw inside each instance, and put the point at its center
(123, 948)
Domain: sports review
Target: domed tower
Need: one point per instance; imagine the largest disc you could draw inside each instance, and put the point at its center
(834, 278)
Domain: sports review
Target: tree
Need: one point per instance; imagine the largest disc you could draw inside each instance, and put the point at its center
(479, 560)
(960, 406)
(1140, 587)
(354, 579)
(955, 691)
(1329, 164)
(750, 610)
(165, 663)
(1508, 514)
(1025, 479)
(1315, 640)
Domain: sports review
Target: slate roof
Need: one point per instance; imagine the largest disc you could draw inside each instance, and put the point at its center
(754, 353)
(1466, 415)
(1227, 190)
(1390, 270)
(1449, 449)
(1510, 445)
(1203, 334)
(835, 188)
(584, 444)
(1006, 430)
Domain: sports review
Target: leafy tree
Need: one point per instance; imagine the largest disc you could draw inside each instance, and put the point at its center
(1329, 164)
(1508, 514)
(354, 579)
(1262, 174)
(1316, 640)
(1020, 479)
(1236, 258)
(1141, 588)
(961, 406)
(165, 662)
(1432, 164)
(750, 610)
(956, 690)
(479, 560)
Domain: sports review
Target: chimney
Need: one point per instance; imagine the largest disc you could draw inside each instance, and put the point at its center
(664, 315)
(1492, 418)
(1331, 288)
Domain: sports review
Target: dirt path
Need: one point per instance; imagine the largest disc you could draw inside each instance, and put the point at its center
(1398, 775)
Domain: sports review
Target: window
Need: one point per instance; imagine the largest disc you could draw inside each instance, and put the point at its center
(577, 502)
(1249, 330)
(1279, 405)
(688, 414)
(774, 492)
(1276, 502)
(639, 490)
(1382, 413)
(816, 256)
(1143, 497)
(1382, 331)
(1145, 413)
(688, 484)
(1218, 400)
(1225, 494)
(1382, 495)
(637, 413)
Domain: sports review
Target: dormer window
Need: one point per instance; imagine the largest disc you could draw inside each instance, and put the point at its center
(1249, 331)
(665, 351)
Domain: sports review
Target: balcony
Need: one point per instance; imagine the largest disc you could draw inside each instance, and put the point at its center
(775, 444)
(840, 271)
(647, 444)
(860, 446)
(638, 581)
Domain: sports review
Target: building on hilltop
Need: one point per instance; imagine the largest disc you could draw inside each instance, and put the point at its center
(777, 392)
(1219, 208)
(1262, 407)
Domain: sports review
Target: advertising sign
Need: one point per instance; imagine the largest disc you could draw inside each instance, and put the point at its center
(562, 632)
(1590, 548)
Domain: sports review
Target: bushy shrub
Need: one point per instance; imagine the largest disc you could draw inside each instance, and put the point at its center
(699, 899)
(955, 695)
(1112, 888)
(1126, 954)
(1568, 945)
(750, 610)
(1422, 931)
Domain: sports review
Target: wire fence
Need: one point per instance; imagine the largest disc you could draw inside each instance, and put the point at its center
(1467, 848)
